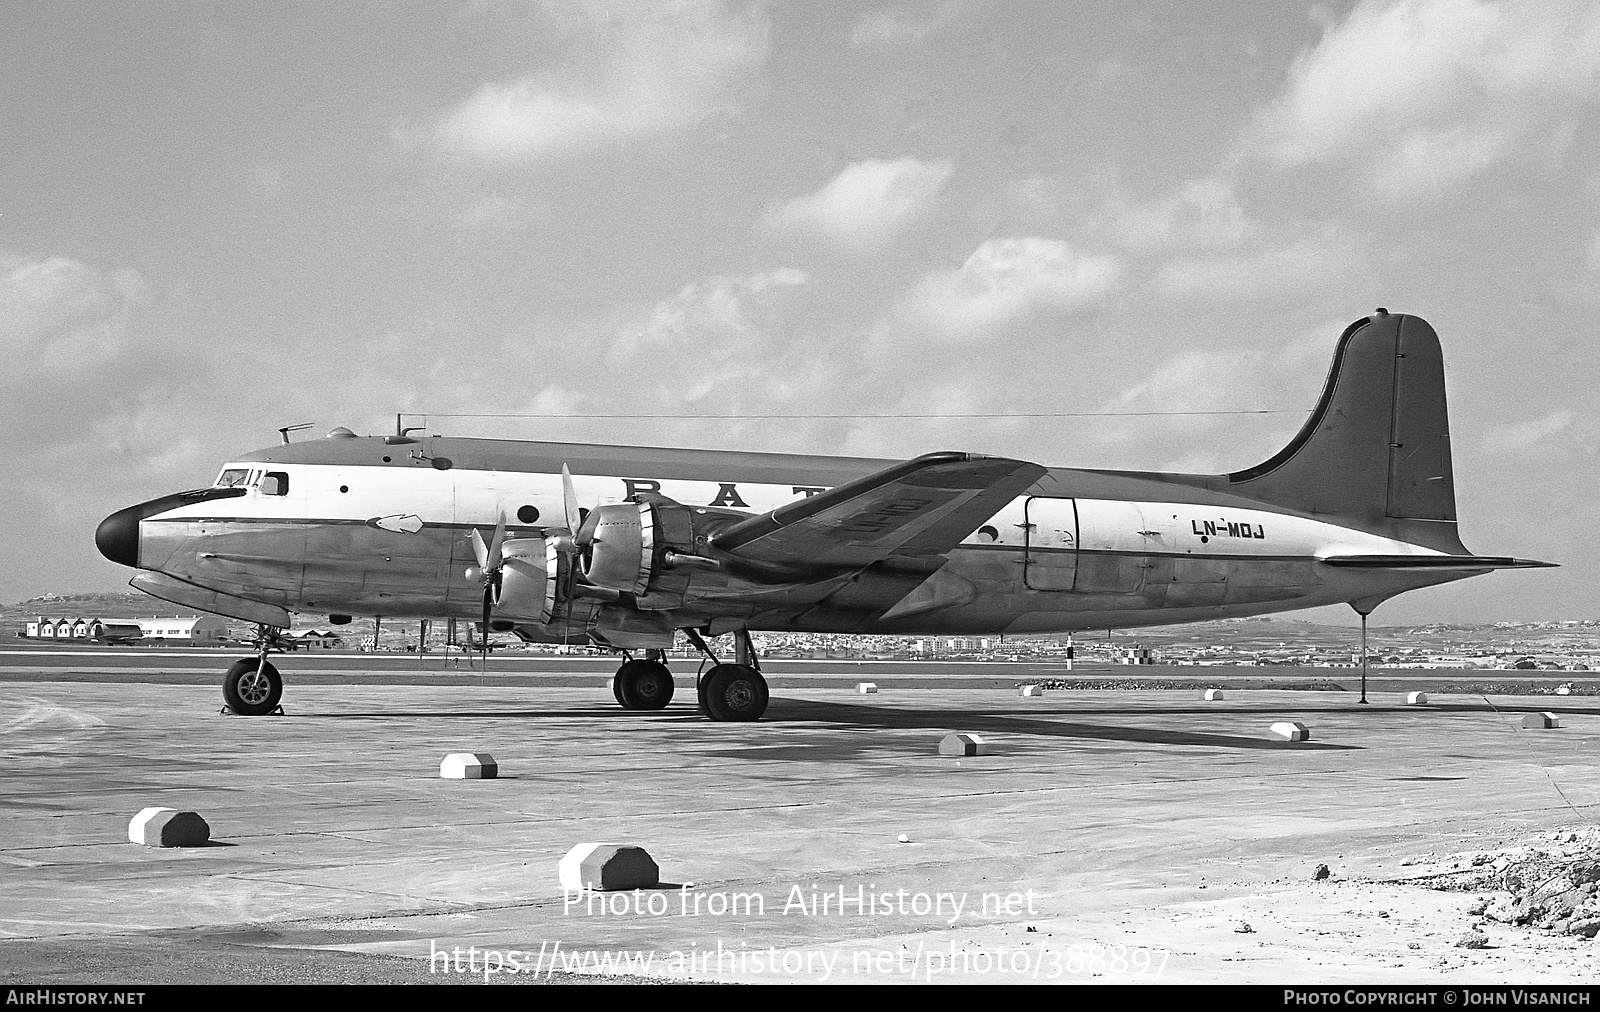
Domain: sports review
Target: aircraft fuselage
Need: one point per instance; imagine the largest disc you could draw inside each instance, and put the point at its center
(364, 526)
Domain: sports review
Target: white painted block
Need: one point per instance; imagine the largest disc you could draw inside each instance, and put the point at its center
(1030, 690)
(963, 744)
(1285, 730)
(866, 688)
(607, 867)
(1214, 694)
(1416, 699)
(168, 827)
(469, 766)
(1541, 720)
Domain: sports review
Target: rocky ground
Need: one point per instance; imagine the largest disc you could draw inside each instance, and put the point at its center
(1549, 884)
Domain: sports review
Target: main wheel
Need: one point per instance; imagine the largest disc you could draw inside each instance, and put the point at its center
(251, 688)
(733, 692)
(643, 685)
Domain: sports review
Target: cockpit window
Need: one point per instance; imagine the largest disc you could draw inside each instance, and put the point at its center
(233, 477)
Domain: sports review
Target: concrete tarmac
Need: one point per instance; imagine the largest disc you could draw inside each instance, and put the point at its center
(1111, 836)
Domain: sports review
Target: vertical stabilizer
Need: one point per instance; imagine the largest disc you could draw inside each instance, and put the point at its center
(1376, 450)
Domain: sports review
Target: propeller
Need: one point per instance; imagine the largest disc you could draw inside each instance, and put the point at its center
(568, 542)
(488, 571)
(569, 503)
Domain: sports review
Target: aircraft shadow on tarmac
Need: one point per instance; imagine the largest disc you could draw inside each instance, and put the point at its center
(909, 718)
(857, 717)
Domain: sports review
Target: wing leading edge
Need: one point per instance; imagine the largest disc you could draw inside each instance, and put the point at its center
(922, 507)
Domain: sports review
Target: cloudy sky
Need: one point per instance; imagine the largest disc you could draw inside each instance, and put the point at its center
(217, 219)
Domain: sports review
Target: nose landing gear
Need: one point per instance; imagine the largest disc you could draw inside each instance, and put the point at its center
(252, 687)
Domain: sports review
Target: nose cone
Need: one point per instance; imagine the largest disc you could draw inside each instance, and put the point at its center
(117, 537)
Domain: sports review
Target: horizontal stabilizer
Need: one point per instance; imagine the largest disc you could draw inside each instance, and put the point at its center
(1435, 562)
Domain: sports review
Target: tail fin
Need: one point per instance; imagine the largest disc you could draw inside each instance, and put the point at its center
(1376, 451)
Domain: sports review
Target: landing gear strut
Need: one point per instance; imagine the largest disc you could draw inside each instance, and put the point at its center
(643, 684)
(730, 692)
(252, 686)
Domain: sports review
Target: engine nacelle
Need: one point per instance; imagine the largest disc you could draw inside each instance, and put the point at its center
(529, 580)
(619, 554)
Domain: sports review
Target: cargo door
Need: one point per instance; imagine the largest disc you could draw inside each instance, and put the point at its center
(1050, 530)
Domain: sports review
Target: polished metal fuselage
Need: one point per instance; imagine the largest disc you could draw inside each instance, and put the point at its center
(375, 527)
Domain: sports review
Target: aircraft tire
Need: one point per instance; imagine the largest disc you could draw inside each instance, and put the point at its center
(643, 685)
(733, 692)
(249, 692)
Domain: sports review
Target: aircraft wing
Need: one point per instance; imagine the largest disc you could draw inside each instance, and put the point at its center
(925, 506)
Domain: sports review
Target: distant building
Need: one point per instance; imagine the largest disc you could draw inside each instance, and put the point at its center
(314, 639)
(193, 629)
(115, 629)
(177, 629)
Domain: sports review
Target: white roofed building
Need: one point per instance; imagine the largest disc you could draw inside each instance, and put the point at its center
(190, 629)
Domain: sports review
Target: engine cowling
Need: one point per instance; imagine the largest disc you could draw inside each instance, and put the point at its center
(619, 544)
(529, 580)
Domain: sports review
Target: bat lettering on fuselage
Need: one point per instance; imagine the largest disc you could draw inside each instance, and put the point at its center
(884, 516)
(727, 492)
(1225, 529)
(728, 496)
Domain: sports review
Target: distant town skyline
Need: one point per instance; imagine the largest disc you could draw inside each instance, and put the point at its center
(1033, 229)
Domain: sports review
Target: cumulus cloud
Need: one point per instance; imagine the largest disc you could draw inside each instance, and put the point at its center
(1297, 264)
(1202, 213)
(719, 309)
(1005, 281)
(866, 206)
(641, 71)
(57, 314)
(1524, 436)
(894, 26)
(1426, 93)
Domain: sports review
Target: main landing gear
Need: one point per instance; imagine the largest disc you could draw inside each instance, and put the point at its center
(734, 691)
(643, 684)
(252, 687)
(728, 692)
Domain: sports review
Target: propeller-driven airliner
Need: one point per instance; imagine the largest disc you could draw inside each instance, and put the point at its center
(624, 547)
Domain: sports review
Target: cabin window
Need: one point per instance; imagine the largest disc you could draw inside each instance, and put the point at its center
(275, 483)
(233, 477)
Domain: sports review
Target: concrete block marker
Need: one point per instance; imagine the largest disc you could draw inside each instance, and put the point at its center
(604, 867)
(469, 766)
(1286, 730)
(1541, 720)
(866, 688)
(1030, 690)
(1213, 694)
(168, 827)
(1416, 699)
(964, 743)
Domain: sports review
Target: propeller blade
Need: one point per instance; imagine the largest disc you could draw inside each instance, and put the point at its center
(496, 547)
(569, 502)
(488, 601)
(479, 549)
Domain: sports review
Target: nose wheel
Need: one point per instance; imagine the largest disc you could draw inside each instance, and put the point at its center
(252, 687)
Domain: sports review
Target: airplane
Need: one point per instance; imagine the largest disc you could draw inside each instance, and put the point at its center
(623, 547)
